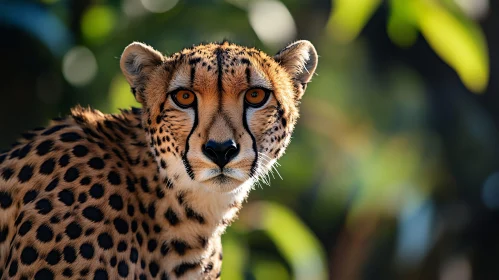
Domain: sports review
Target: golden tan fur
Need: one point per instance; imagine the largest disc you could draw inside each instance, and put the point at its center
(133, 195)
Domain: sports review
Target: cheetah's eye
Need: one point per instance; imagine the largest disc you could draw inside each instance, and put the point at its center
(256, 97)
(184, 98)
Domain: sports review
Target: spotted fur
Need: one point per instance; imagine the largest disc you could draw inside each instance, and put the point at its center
(131, 195)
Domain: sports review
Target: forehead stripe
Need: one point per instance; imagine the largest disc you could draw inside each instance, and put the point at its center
(219, 54)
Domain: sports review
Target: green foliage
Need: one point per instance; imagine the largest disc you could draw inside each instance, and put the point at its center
(454, 37)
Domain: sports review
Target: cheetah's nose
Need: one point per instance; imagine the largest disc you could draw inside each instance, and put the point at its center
(221, 153)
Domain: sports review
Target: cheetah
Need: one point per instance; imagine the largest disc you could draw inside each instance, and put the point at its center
(147, 193)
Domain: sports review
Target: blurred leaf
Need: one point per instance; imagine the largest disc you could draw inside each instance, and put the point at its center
(232, 267)
(98, 22)
(458, 41)
(402, 28)
(349, 17)
(294, 240)
(265, 268)
(120, 96)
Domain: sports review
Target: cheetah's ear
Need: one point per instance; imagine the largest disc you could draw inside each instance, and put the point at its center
(300, 60)
(137, 62)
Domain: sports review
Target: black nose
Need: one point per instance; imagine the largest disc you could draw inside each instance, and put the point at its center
(220, 153)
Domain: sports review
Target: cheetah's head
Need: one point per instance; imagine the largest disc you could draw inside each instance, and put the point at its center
(218, 114)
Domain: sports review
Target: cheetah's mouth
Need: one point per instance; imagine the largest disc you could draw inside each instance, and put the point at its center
(222, 177)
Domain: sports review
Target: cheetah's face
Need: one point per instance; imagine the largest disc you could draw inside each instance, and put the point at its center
(222, 113)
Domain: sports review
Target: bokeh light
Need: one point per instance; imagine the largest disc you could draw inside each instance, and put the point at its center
(98, 22)
(272, 22)
(79, 66)
(159, 6)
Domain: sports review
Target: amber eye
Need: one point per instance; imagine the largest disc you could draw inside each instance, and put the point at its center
(256, 97)
(184, 98)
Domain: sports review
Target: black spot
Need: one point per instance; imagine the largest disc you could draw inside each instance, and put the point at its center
(84, 272)
(96, 163)
(151, 211)
(134, 226)
(144, 185)
(19, 218)
(23, 152)
(5, 200)
(113, 261)
(66, 196)
(44, 274)
(69, 254)
(97, 191)
(70, 137)
(139, 238)
(4, 232)
(180, 198)
(53, 257)
(122, 246)
(116, 202)
(209, 267)
(93, 214)
(151, 245)
(245, 61)
(171, 217)
(13, 268)
(193, 61)
(67, 272)
(44, 147)
(64, 160)
(44, 233)
(47, 167)
(130, 210)
(134, 255)
(28, 197)
(44, 206)
(123, 269)
(145, 226)
(85, 181)
(193, 215)
(73, 230)
(157, 229)
(105, 241)
(180, 246)
(121, 225)
(153, 268)
(71, 174)
(25, 174)
(55, 219)
(14, 153)
(53, 129)
(130, 185)
(114, 178)
(87, 250)
(7, 173)
(82, 197)
(100, 274)
(29, 255)
(80, 151)
(164, 249)
(25, 228)
(283, 120)
(183, 268)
